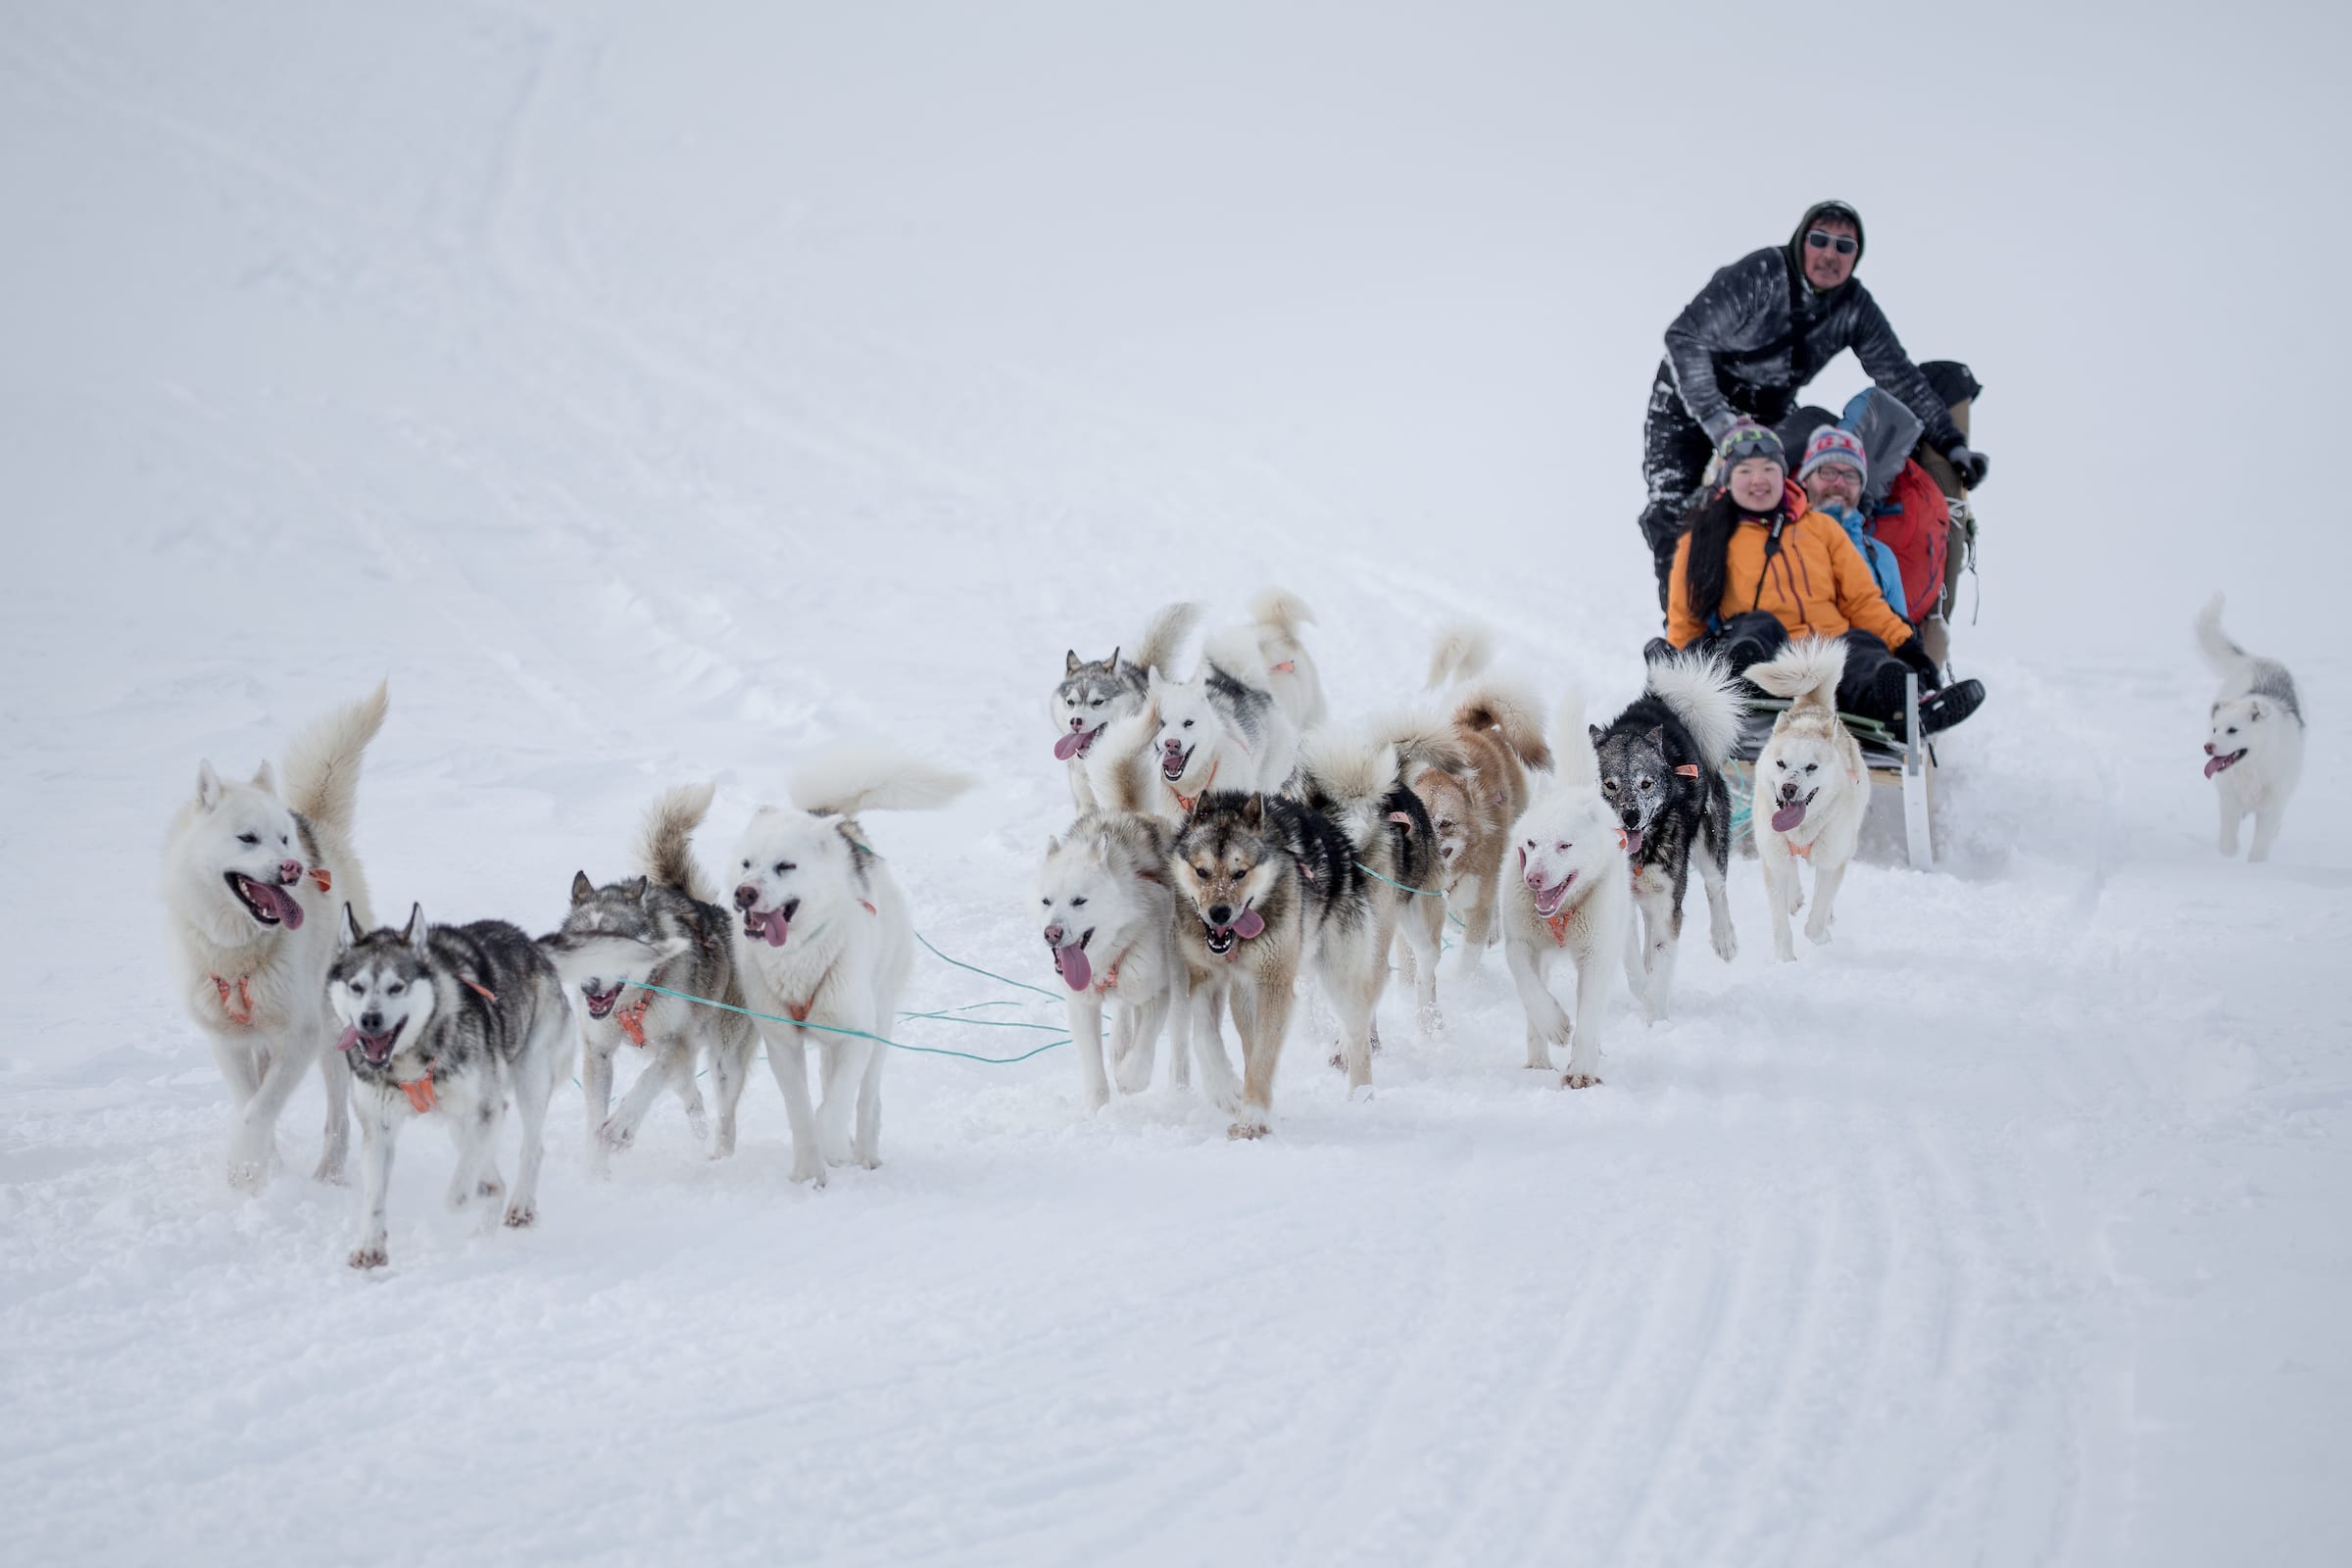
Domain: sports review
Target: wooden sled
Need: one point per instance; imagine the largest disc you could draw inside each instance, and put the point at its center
(1905, 762)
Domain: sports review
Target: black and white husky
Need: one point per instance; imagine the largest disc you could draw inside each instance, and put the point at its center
(1107, 917)
(447, 1020)
(2254, 746)
(252, 883)
(1661, 770)
(826, 941)
(663, 927)
(1096, 693)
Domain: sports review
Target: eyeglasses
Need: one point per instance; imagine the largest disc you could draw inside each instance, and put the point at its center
(1847, 244)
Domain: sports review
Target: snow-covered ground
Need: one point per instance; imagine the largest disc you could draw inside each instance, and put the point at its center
(657, 394)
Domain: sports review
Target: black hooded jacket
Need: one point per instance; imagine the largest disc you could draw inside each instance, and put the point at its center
(1760, 326)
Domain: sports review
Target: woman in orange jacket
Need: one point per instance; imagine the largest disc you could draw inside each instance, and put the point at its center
(1758, 566)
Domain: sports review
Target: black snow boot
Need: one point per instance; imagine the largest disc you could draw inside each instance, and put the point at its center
(1950, 706)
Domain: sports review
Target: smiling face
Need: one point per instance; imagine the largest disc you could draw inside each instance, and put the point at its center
(2237, 724)
(382, 989)
(1566, 843)
(1076, 899)
(1755, 482)
(1636, 779)
(789, 866)
(611, 939)
(1090, 695)
(249, 846)
(1798, 765)
(1835, 481)
(1186, 745)
(1227, 866)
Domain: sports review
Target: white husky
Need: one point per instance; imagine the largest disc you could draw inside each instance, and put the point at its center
(1222, 729)
(1811, 791)
(253, 885)
(1109, 918)
(1291, 672)
(2254, 752)
(1573, 896)
(826, 939)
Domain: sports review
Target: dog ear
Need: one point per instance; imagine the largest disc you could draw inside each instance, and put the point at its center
(208, 784)
(1595, 731)
(350, 932)
(637, 889)
(1253, 813)
(1054, 846)
(2254, 712)
(1657, 735)
(414, 932)
(1151, 682)
(1069, 661)
(1113, 661)
(265, 780)
(582, 890)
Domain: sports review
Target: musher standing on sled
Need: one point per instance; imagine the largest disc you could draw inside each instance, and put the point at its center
(1761, 328)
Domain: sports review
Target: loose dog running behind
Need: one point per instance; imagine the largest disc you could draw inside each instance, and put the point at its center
(1812, 790)
(660, 927)
(2254, 744)
(251, 886)
(826, 939)
(1661, 769)
(443, 1021)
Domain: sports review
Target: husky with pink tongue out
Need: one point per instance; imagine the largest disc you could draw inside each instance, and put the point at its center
(1097, 693)
(1107, 916)
(825, 943)
(253, 886)
(1812, 790)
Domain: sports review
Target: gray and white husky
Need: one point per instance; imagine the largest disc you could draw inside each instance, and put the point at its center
(2254, 744)
(663, 927)
(252, 881)
(1109, 918)
(1661, 768)
(1220, 729)
(1096, 693)
(826, 941)
(447, 1020)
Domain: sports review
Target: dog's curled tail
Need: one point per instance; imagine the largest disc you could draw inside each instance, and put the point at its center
(1463, 649)
(665, 852)
(1572, 750)
(1510, 707)
(1281, 611)
(1807, 671)
(1163, 638)
(851, 780)
(1350, 777)
(2224, 655)
(1423, 740)
(322, 765)
(1705, 696)
(1119, 766)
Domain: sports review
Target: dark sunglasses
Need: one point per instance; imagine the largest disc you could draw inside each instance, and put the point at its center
(1847, 244)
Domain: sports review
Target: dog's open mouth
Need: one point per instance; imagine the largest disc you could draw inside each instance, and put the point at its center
(771, 926)
(1549, 900)
(1223, 939)
(1791, 812)
(602, 1002)
(2217, 765)
(266, 902)
(1077, 743)
(377, 1048)
(1633, 843)
(1072, 964)
(1173, 763)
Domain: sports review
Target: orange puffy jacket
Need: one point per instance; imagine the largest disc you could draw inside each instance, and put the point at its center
(1817, 581)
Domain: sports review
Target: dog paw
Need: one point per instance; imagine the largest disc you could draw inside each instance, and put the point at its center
(1784, 952)
(1360, 1094)
(1820, 937)
(248, 1176)
(330, 1171)
(839, 1153)
(369, 1254)
(1431, 1020)
(1727, 946)
(1580, 1080)
(1097, 1098)
(612, 1137)
(811, 1171)
(520, 1215)
(697, 1122)
(1247, 1129)
(491, 1187)
(724, 1147)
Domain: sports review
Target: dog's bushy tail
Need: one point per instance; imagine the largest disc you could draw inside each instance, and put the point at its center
(665, 850)
(1806, 671)
(1348, 777)
(1423, 740)
(1572, 742)
(322, 765)
(1282, 612)
(2224, 655)
(1510, 707)
(1163, 638)
(1704, 695)
(848, 780)
(1463, 649)
(1119, 766)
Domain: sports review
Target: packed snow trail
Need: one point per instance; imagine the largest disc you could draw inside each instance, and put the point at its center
(659, 401)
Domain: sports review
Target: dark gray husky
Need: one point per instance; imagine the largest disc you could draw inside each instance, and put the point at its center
(1661, 771)
(661, 926)
(447, 1021)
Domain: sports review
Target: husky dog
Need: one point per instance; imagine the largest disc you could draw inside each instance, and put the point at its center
(1572, 896)
(447, 1018)
(250, 885)
(1494, 735)
(826, 939)
(663, 927)
(1661, 768)
(1110, 923)
(1268, 884)
(1291, 673)
(1811, 779)
(1098, 691)
(1222, 729)
(2254, 753)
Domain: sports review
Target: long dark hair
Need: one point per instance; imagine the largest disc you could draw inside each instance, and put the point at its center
(1710, 547)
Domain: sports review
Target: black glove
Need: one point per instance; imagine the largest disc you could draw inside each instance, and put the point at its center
(1970, 464)
(1913, 654)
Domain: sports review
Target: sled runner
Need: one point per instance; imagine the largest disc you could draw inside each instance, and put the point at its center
(1904, 761)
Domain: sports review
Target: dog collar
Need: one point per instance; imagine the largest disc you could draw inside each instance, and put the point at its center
(1689, 770)
(240, 1013)
(420, 1090)
(631, 1018)
(1559, 927)
(1188, 802)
